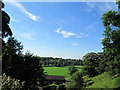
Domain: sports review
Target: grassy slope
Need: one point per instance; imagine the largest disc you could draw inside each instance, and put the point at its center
(104, 81)
(101, 81)
(63, 71)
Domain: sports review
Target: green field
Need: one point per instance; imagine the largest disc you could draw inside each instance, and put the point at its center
(63, 71)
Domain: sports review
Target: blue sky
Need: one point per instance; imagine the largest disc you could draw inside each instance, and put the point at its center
(56, 29)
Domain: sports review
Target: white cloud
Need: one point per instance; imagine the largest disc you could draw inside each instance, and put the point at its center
(75, 44)
(29, 36)
(67, 34)
(23, 9)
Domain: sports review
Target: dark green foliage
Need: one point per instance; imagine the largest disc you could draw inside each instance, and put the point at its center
(31, 71)
(61, 87)
(50, 87)
(109, 60)
(46, 87)
(59, 62)
(118, 2)
(72, 70)
(76, 82)
(101, 63)
(11, 52)
(24, 67)
(16, 65)
(111, 42)
(6, 31)
(90, 62)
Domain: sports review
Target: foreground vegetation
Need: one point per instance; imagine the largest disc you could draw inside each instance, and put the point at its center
(9, 83)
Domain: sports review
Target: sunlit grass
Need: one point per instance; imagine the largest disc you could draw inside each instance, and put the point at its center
(104, 80)
(62, 71)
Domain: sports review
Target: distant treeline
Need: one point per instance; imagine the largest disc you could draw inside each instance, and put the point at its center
(59, 62)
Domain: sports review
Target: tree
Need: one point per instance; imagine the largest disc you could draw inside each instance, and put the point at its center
(72, 70)
(11, 54)
(24, 67)
(90, 62)
(17, 65)
(6, 31)
(32, 72)
(111, 42)
(76, 82)
(101, 64)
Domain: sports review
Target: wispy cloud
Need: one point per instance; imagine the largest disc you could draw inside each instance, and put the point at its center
(23, 9)
(75, 44)
(67, 34)
(29, 36)
(101, 8)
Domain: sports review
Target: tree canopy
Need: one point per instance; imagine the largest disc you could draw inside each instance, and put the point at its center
(111, 42)
(6, 31)
(25, 67)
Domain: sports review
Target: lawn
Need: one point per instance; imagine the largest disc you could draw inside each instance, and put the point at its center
(62, 71)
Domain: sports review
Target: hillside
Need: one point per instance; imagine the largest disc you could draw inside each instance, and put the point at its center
(104, 80)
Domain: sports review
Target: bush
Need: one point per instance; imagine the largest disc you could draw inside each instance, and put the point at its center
(10, 84)
(76, 82)
(61, 87)
(50, 87)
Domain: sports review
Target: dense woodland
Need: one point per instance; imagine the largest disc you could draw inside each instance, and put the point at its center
(28, 71)
(59, 62)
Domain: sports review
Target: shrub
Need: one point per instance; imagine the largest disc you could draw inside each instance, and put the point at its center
(50, 87)
(10, 84)
(61, 87)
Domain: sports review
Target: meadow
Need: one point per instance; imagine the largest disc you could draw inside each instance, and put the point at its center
(62, 71)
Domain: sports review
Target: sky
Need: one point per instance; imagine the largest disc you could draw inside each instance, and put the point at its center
(58, 29)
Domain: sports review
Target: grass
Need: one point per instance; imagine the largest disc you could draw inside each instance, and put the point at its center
(62, 71)
(104, 80)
